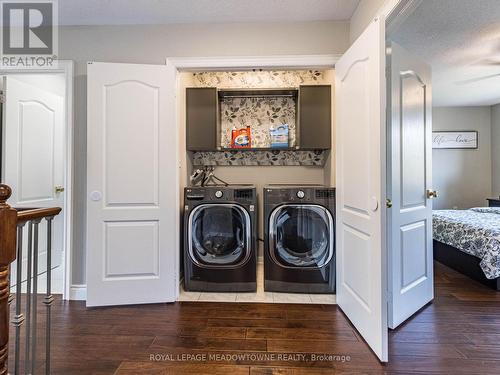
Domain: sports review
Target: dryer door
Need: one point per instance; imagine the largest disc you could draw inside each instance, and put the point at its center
(219, 235)
(301, 236)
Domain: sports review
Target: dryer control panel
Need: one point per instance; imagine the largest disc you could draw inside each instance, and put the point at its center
(291, 194)
(298, 194)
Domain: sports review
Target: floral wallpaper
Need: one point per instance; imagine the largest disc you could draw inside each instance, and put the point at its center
(258, 79)
(260, 114)
(274, 157)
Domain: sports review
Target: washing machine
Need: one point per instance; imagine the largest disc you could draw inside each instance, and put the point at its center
(220, 239)
(299, 243)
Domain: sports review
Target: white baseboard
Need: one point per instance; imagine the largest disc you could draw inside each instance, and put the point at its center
(78, 292)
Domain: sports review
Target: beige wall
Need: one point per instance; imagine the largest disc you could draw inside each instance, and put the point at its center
(151, 45)
(365, 12)
(495, 150)
(462, 177)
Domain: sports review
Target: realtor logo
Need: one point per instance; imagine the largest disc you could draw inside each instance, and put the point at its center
(29, 33)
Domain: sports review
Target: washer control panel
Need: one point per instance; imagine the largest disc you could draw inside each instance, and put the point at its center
(240, 194)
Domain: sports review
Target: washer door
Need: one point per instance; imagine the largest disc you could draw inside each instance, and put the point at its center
(301, 236)
(219, 235)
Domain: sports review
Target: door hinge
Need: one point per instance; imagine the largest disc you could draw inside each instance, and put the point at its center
(389, 296)
(2, 97)
(388, 203)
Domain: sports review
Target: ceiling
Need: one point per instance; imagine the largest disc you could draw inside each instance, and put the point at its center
(155, 12)
(461, 40)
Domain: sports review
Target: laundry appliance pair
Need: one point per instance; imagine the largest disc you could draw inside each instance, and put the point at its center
(221, 241)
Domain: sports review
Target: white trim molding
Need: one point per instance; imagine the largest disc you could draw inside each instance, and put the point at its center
(260, 62)
(396, 12)
(78, 292)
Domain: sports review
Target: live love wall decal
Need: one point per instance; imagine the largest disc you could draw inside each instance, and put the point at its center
(455, 139)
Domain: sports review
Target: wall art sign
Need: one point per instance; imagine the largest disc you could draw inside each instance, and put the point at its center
(454, 139)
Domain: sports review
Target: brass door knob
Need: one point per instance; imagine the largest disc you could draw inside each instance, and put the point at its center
(432, 194)
(59, 189)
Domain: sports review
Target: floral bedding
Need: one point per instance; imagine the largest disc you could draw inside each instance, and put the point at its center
(475, 231)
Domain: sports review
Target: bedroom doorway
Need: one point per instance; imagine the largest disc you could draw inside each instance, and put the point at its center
(409, 184)
(36, 162)
(32, 160)
(459, 42)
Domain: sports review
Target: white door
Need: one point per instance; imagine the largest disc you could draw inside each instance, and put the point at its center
(132, 188)
(360, 139)
(409, 174)
(32, 160)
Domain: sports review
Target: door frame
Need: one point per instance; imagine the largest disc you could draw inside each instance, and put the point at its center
(65, 67)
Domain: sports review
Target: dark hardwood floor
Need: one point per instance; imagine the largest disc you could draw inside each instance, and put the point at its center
(459, 333)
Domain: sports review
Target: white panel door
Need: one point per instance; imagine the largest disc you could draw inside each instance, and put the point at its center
(33, 165)
(411, 283)
(132, 174)
(361, 255)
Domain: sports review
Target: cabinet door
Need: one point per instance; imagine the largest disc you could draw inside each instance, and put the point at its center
(315, 117)
(201, 118)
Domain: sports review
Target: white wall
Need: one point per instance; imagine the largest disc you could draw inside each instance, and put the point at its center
(495, 150)
(462, 177)
(151, 45)
(365, 12)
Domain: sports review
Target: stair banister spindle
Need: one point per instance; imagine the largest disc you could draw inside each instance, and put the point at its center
(48, 298)
(29, 268)
(34, 315)
(18, 319)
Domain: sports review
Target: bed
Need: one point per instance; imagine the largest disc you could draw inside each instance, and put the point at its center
(469, 242)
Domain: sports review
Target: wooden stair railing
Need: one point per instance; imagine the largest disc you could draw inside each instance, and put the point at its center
(8, 226)
(12, 222)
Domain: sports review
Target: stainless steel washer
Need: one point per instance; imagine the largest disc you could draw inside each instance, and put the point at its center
(220, 239)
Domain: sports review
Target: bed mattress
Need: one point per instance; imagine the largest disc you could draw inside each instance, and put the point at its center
(475, 231)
